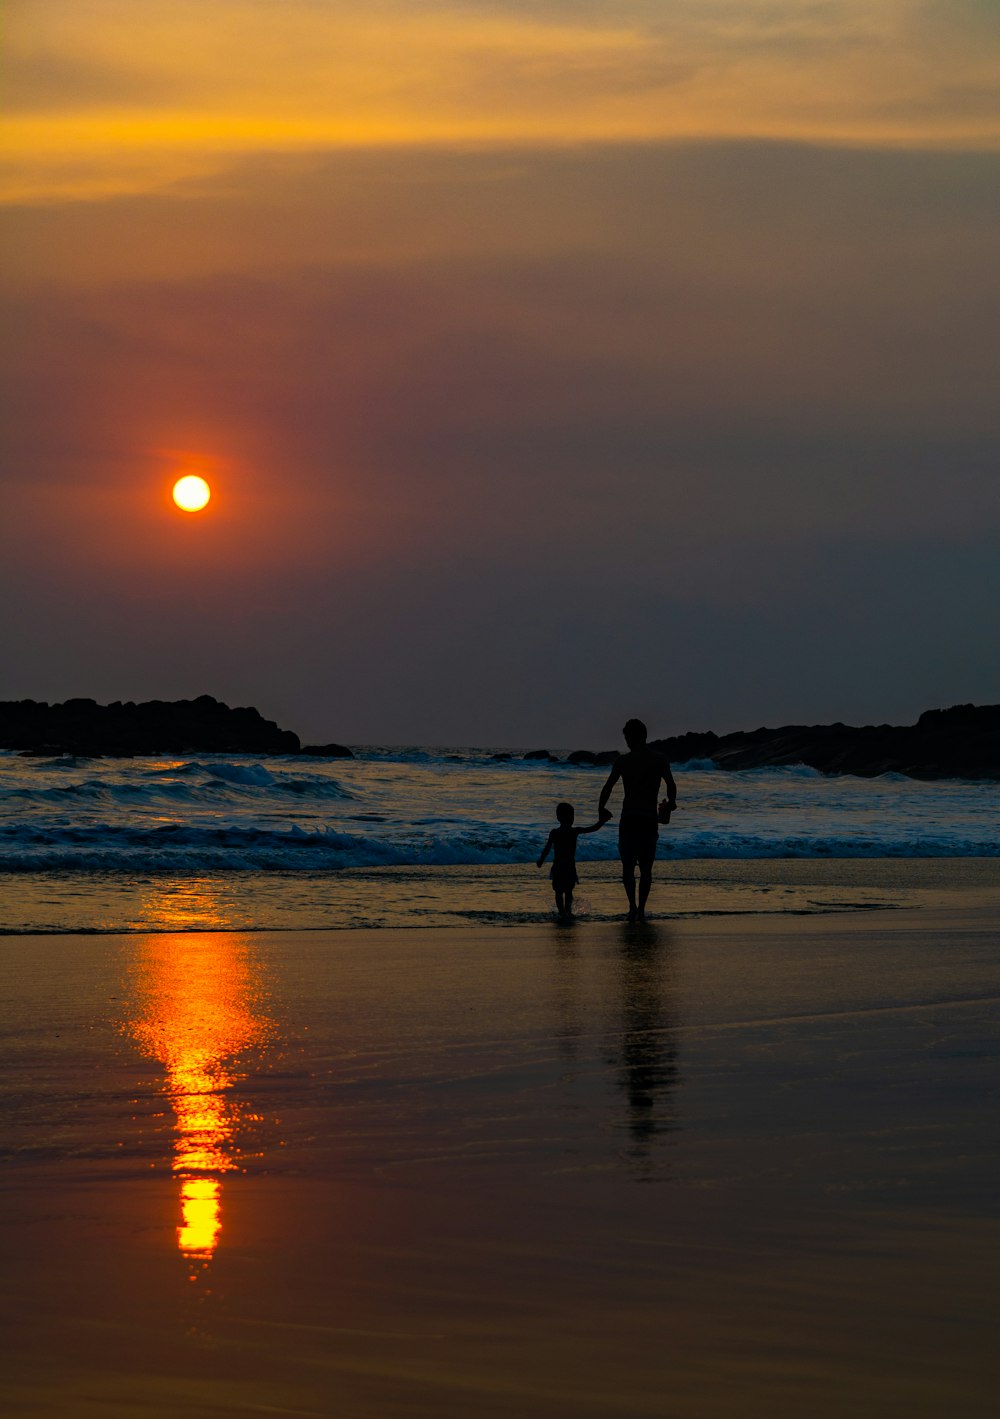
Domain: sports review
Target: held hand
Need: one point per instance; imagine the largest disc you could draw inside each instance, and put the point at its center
(604, 815)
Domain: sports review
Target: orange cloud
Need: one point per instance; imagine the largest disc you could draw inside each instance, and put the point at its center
(120, 96)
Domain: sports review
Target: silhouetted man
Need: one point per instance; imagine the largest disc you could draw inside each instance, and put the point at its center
(641, 771)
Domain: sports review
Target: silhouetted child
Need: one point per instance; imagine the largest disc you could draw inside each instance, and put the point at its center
(562, 841)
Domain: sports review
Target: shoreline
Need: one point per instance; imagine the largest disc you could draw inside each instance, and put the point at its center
(498, 923)
(502, 896)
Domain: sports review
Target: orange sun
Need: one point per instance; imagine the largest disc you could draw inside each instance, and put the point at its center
(191, 493)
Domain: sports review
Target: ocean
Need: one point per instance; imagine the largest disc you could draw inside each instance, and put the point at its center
(434, 836)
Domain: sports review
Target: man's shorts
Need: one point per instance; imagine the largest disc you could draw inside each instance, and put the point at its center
(637, 839)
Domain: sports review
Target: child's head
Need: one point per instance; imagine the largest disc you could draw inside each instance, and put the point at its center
(565, 814)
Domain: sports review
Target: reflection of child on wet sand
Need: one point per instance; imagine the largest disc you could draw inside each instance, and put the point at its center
(562, 842)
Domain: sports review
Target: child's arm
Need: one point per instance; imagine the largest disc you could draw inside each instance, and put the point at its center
(604, 818)
(545, 851)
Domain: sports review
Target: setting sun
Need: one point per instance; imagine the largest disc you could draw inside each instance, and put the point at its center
(191, 493)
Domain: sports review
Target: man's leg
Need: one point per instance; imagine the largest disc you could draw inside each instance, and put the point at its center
(628, 879)
(627, 853)
(645, 877)
(645, 882)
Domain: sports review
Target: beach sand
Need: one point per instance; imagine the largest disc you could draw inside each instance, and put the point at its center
(706, 1168)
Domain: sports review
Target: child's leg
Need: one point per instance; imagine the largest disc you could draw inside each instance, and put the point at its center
(560, 907)
(568, 895)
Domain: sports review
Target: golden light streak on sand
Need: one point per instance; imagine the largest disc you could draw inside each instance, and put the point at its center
(198, 1012)
(199, 1232)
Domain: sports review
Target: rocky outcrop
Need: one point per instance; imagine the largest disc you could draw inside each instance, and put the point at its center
(587, 757)
(85, 728)
(961, 742)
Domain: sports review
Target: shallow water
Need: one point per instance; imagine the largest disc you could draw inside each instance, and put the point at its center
(435, 897)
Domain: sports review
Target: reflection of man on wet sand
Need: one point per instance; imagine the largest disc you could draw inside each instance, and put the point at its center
(641, 771)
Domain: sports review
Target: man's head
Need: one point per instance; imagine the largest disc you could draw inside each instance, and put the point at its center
(565, 814)
(635, 734)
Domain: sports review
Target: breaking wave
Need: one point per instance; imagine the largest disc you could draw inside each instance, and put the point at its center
(222, 782)
(175, 847)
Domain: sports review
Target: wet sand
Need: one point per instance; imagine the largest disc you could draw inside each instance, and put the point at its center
(706, 1168)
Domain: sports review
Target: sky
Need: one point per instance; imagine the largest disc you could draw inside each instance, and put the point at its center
(550, 363)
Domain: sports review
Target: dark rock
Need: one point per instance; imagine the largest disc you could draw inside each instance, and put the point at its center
(501, 757)
(588, 758)
(960, 742)
(327, 751)
(85, 728)
(683, 747)
(543, 755)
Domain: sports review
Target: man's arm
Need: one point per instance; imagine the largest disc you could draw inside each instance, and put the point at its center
(668, 779)
(668, 804)
(545, 851)
(613, 778)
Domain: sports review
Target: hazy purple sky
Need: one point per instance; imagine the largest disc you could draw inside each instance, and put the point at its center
(550, 363)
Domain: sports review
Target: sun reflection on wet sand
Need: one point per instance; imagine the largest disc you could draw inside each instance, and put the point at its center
(201, 1212)
(199, 1009)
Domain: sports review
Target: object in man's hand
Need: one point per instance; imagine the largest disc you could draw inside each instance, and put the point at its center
(664, 814)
